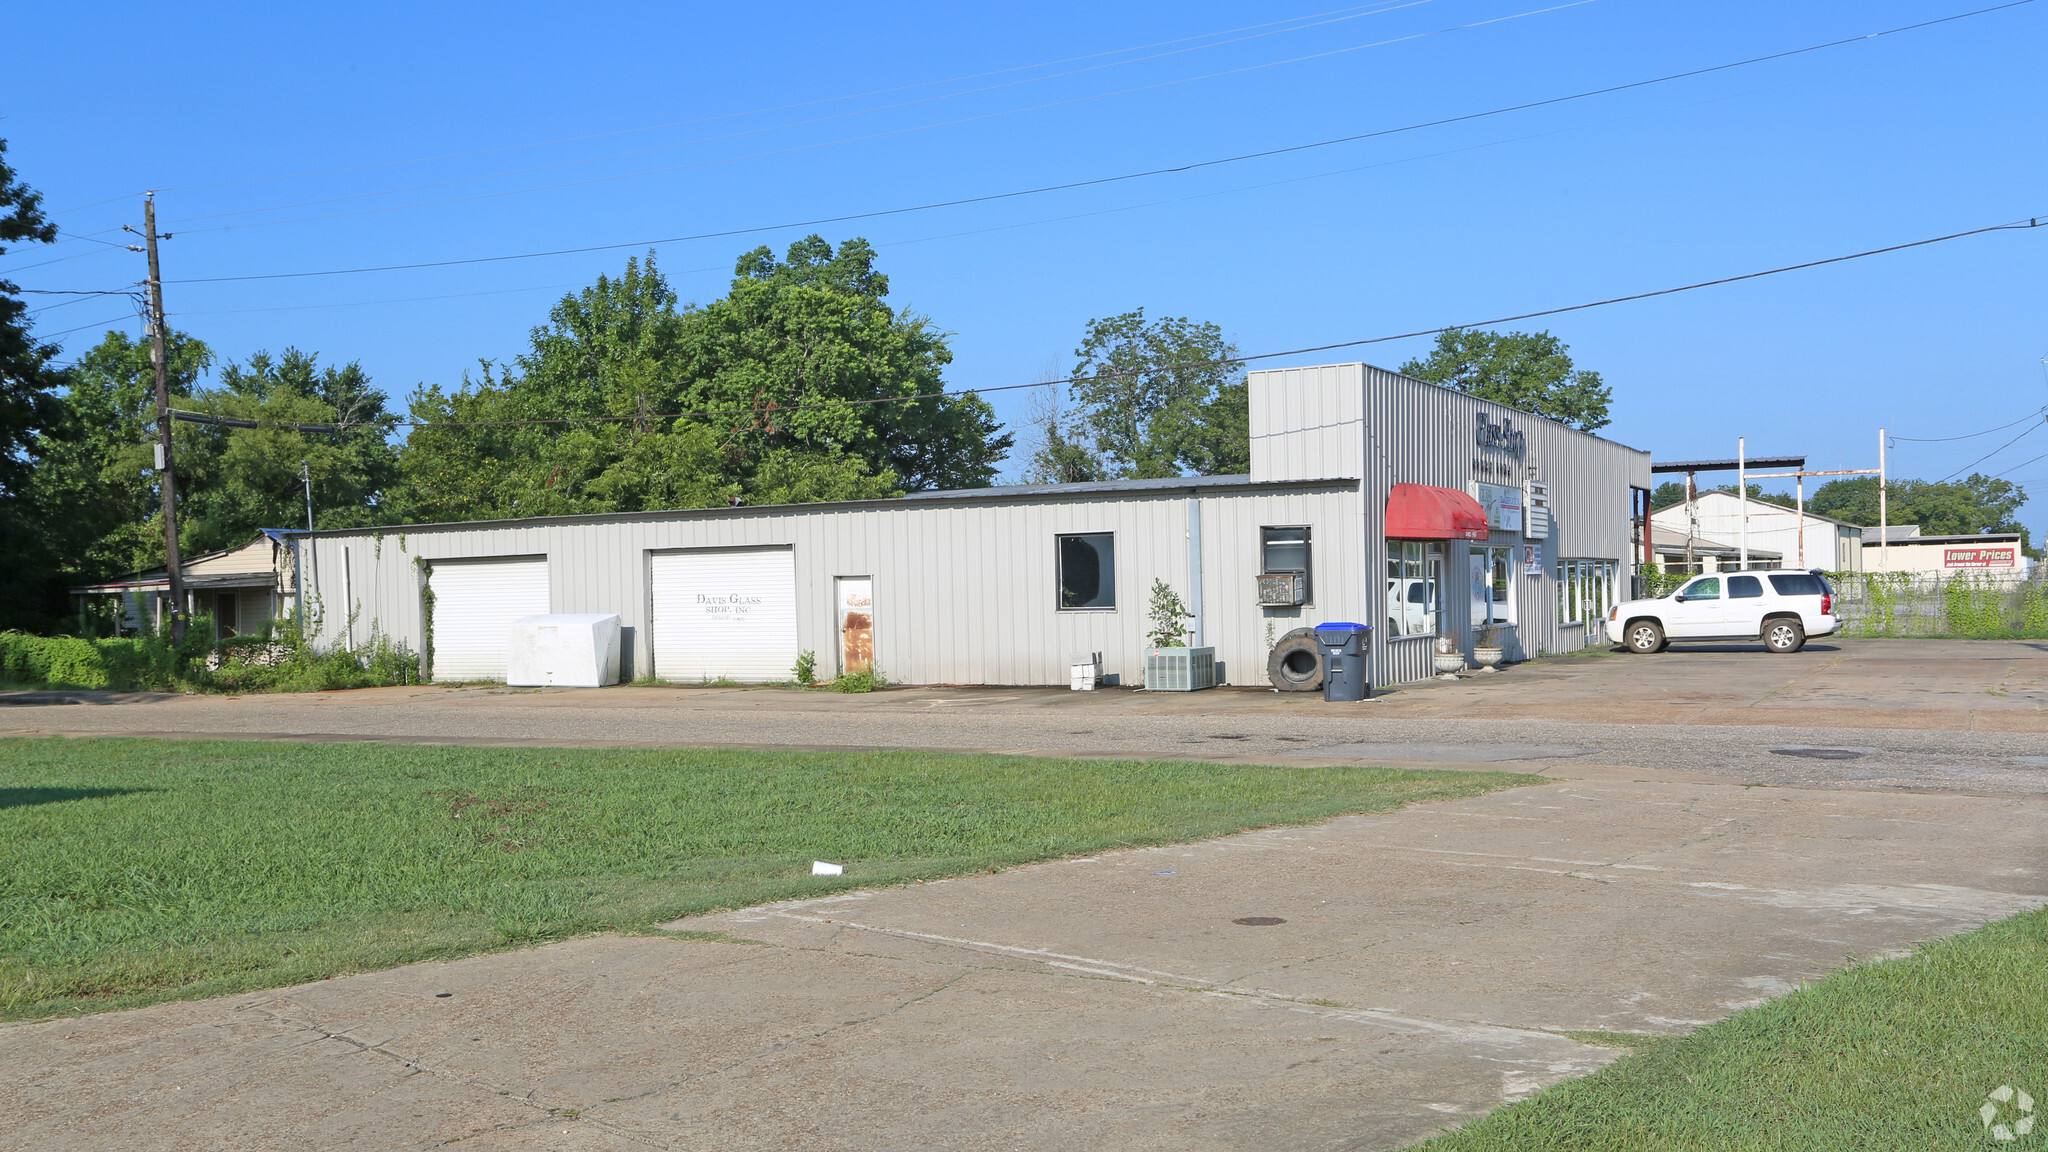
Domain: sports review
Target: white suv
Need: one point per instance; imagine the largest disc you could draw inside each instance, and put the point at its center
(1780, 608)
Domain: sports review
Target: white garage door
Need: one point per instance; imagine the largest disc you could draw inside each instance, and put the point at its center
(728, 613)
(475, 603)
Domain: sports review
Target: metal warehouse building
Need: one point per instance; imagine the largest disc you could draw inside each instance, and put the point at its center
(1373, 497)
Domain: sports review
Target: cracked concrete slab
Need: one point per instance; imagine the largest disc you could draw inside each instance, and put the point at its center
(1422, 967)
(1354, 985)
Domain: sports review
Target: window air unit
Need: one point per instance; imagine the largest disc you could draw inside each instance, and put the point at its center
(1281, 589)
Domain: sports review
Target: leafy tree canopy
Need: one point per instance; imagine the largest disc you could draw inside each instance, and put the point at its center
(809, 329)
(29, 412)
(1941, 508)
(26, 379)
(1672, 492)
(1147, 400)
(1532, 371)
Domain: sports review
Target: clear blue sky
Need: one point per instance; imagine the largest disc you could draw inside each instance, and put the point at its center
(1856, 147)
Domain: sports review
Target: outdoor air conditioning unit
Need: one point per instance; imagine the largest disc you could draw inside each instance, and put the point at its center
(1282, 589)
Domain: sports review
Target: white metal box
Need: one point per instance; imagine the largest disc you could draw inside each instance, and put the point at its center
(563, 651)
(1179, 669)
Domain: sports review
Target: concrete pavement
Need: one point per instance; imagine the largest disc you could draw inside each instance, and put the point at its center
(1353, 985)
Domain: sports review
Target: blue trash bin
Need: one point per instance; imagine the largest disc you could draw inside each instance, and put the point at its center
(1346, 648)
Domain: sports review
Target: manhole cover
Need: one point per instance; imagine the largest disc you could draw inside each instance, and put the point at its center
(1258, 921)
(1820, 753)
(1228, 736)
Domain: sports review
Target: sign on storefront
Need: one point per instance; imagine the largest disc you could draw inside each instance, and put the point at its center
(1977, 558)
(1503, 506)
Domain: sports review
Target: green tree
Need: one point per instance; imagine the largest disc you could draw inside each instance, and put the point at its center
(704, 405)
(28, 410)
(98, 464)
(1941, 508)
(1157, 399)
(1531, 371)
(236, 481)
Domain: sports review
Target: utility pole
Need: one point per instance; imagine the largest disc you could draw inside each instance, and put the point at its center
(306, 474)
(167, 474)
(1742, 493)
(1884, 517)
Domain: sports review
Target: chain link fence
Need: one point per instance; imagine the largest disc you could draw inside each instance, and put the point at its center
(1969, 605)
(1961, 604)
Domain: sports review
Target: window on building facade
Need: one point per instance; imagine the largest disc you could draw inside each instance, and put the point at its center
(1087, 571)
(1493, 586)
(1283, 550)
(1586, 589)
(1415, 583)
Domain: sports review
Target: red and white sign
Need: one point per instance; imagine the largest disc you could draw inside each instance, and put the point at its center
(1977, 558)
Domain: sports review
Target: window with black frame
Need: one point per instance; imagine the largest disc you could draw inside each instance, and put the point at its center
(1087, 571)
(1285, 550)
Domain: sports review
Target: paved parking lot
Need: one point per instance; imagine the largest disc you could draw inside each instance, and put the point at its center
(1399, 972)
(1955, 715)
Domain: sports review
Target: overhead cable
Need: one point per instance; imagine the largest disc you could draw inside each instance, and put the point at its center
(1990, 454)
(1317, 19)
(1103, 180)
(2035, 414)
(807, 123)
(2034, 222)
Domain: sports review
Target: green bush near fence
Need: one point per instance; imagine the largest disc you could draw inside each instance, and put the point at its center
(75, 662)
(273, 660)
(1964, 605)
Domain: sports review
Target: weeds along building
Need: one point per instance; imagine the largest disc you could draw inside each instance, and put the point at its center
(1373, 497)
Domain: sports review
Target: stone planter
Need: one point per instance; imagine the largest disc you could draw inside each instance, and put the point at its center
(1486, 658)
(1447, 659)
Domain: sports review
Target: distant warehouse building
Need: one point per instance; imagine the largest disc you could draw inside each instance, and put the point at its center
(1373, 497)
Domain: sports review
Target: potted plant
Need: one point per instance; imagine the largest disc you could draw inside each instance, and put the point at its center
(1170, 665)
(1448, 660)
(1487, 650)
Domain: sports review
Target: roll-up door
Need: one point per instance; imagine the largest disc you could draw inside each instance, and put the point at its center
(475, 603)
(726, 613)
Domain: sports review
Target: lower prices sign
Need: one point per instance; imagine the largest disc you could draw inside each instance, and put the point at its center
(1977, 558)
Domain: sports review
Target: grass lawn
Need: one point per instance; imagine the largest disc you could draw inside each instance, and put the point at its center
(133, 871)
(1893, 1054)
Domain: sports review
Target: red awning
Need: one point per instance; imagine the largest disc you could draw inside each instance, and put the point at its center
(1420, 512)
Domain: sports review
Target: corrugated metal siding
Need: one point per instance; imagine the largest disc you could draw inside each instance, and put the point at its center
(965, 591)
(1305, 422)
(1417, 433)
(965, 588)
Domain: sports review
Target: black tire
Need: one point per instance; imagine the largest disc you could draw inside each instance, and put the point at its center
(1784, 635)
(1644, 637)
(1296, 663)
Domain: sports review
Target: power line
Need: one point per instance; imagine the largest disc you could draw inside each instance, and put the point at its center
(819, 120)
(1972, 436)
(1103, 180)
(82, 327)
(2020, 465)
(1990, 454)
(1316, 16)
(1225, 361)
(890, 244)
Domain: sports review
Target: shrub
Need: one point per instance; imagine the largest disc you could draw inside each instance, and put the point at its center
(865, 680)
(152, 662)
